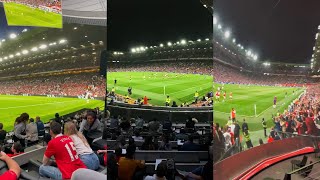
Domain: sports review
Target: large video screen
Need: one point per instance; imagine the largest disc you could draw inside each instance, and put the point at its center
(43, 13)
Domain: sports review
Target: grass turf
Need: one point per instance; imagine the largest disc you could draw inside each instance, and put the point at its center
(244, 99)
(22, 15)
(12, 106)
(180, 87)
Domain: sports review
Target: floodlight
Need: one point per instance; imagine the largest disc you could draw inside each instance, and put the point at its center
(234, 40)
(25, 30)
(215, 21)
(43, 46)
(183, 41)
(161, 45)
(0, 59)
(219, 26)
(207, 39)
(11, 56)
(133, 50)
(18, 54)
(115, 53)
(199, 40)
(25, 52)
(142, 48)
(5, 57)
(3, 40)
(255, 57)
(61, 41)
(13, 36)
(34, 49)
(249, 53)
(227, 34)
(75, 28)
(169, 44)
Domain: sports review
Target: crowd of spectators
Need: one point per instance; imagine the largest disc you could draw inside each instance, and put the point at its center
(58, 85)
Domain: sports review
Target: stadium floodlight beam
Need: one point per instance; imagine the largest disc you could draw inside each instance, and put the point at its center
(43, 46)
(24, 30)
(5, 58)
(227, 34)
(169, 44)
(13, 36)
(25, 52)
(183, 41)
(18, 54)
(34, 49)
(249, 53)
(219, 26)
(142, 48)
(11, 56)
(161, 45)
(234, 40)
(207, 39)
(133, 50)
(199, 40)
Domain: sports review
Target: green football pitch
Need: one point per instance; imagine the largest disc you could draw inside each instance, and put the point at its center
(157, 85)
(244, 100)
(45, 107)
(22, 15)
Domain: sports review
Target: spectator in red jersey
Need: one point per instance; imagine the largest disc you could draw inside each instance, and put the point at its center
(270, 139)
(14, 169)
(312, 129)
(62, 149)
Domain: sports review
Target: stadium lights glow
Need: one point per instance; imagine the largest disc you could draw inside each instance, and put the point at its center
(219, 26)
(18, 54)
(183, 41)
(11, 56)
(43, 46)
(227, 34)
(234, 40)
(5, 58)
(215, 21)
(207, 39)
(255, 57)
(3, 40)
(161, 45)
(0, 59)
(266, 64)
(13, 36)
(34, 49)
(249, 53)
(133, 50)
(75, 28)
(142, 48)
(199, 40)
(169, 44)
(25, 30)
(25, 52)
(61, 41)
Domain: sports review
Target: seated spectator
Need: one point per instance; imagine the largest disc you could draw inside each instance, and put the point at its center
(190, 124)
(90, 126)
(125, 125)
(86, 174)
(14, 169)
(174, 104)
(137, 136)
(139, 123)
(40, 126)
(3, 134)
(154, 126)
(65, 154)
(160, 172)
(165, 144)
(16, 149)
(167, 125)
(129, 167)
(190, 146)
(114, 122)
(32, 131)
(148, 144)
(57, 118)
(84, 151)
(20, 129)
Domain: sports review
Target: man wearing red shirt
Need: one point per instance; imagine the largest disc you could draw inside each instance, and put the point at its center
(62, 149)
(14, 170)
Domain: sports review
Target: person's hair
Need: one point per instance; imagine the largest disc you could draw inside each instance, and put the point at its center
(56, 115)
(137, 133)
(24, 117)
(70, 128)
(18, 120)
(131, 141)
(1, 125)
(92, 114)
(18, 147)
(31, 120)
(118, 151)
(130, 152)
(260, 141)
(161, 169)
(55, 127)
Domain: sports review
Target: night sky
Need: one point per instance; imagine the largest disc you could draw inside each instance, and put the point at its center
(151, 22)
(280, 32)
(5, 30)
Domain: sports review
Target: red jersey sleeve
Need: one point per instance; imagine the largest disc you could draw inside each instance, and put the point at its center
(9, 175)
(50, 151)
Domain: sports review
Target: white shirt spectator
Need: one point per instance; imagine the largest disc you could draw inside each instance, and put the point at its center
(81, 148)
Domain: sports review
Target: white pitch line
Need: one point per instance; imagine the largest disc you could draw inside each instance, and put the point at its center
(14, 107)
